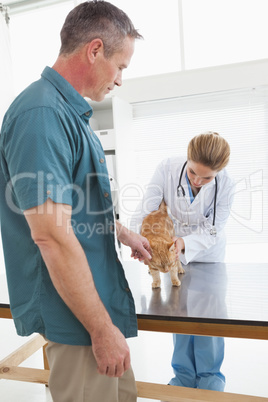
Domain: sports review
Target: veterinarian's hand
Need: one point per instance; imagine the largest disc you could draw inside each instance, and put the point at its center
(139, 245)
(180, 246)
(111, 351)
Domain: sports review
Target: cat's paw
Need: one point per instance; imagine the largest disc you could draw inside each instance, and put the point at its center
(180, 269)
(156, 284)
(176, 282)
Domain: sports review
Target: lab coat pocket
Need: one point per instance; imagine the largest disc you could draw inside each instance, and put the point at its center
(209, 213)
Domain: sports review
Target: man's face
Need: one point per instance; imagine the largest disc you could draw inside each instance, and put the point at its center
(108, 71)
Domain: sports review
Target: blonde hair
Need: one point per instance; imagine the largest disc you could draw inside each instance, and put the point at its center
(209, 149)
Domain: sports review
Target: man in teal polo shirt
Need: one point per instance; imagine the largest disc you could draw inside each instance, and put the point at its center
(65, 283)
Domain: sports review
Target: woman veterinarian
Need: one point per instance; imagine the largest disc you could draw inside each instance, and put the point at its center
(199, 194)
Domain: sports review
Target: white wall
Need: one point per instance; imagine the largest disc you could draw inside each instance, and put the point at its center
(6, 78)
(2, 264)
(6, 87)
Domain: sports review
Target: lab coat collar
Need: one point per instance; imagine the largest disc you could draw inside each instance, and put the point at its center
(199, 196)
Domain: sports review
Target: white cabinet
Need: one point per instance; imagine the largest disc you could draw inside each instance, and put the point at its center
(112, 123)
(107, 138)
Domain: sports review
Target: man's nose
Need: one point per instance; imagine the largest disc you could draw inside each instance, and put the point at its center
(118, 80)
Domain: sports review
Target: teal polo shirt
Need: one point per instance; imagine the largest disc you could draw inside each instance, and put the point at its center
(48, 150)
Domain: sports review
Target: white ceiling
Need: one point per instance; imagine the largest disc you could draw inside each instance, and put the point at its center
(16, 6)
(25, 2)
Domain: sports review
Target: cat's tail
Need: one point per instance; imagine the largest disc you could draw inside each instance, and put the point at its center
(163, 206)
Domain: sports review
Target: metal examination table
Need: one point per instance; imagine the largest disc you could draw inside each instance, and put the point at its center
(229, 300)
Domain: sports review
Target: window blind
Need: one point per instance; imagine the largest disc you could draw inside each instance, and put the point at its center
(164, 128)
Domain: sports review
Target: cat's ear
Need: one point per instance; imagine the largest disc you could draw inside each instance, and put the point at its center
(171, 246)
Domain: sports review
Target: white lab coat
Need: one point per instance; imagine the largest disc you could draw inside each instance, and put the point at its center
(200, 245)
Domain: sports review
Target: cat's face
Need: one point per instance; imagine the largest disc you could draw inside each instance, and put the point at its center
(163, 255)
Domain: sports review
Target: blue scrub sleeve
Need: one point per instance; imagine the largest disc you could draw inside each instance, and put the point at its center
(38, 153)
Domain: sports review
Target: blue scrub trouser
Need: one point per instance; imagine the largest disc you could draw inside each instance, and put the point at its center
(197, 361)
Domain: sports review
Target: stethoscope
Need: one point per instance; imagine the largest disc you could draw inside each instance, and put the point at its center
(181, 190)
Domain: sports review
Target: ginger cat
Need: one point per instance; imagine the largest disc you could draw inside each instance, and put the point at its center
(158, 228)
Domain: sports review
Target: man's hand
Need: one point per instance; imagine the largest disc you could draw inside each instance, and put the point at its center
(111, 351)
(138, 253)
(140, 248)
(139, 245)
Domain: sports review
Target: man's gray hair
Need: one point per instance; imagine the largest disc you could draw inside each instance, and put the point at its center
(96, 19)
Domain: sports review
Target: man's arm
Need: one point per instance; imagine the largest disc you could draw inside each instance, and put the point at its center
(72, 278)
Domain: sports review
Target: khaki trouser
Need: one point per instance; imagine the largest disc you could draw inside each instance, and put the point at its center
(74, 377)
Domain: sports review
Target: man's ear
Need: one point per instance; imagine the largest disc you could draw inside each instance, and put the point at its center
(94, 48)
